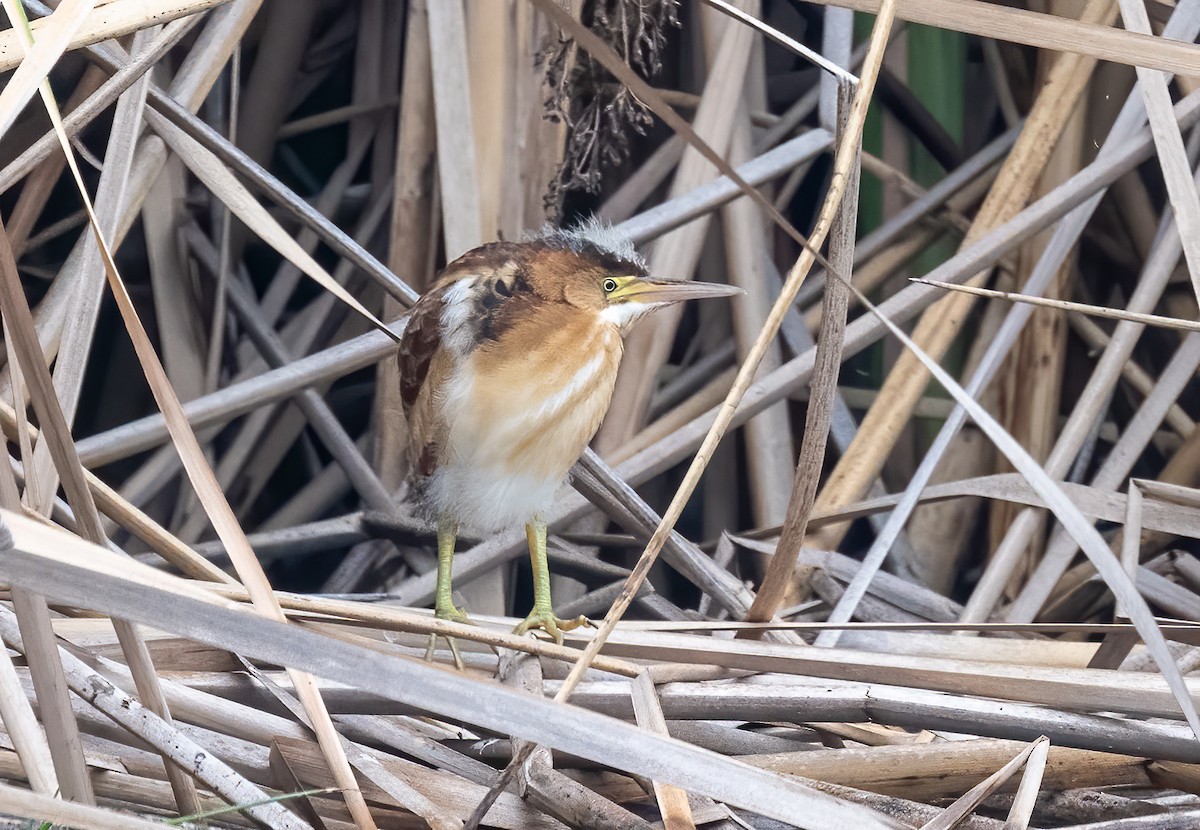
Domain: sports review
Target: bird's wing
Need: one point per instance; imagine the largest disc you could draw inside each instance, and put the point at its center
(422, 338)
(417, 360)
(434, 339)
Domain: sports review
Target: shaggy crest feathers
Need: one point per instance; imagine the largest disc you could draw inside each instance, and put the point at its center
(593, 235)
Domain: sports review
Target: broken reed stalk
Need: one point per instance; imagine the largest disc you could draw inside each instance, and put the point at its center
(780, 574)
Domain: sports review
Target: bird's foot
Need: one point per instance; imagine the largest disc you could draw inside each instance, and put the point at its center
(451, 614)
(552, 625)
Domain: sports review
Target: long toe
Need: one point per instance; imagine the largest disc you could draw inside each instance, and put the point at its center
(552, 625)
(455, 654)
(449, 613)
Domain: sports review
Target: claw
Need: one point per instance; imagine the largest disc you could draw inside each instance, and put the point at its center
(552, 625)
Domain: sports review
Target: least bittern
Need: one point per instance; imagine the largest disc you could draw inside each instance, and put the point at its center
(507, 369)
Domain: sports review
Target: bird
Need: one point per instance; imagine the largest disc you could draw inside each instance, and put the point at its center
(507, 368)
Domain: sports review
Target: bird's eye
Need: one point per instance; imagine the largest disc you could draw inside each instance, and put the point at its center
(610, 285)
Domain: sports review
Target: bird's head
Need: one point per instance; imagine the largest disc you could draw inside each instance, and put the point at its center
(594, 267)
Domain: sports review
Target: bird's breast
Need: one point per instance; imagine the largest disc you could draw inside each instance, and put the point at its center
(528, 404)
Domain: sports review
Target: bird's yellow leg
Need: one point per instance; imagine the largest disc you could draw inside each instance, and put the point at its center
(542, 615)
(443, 605)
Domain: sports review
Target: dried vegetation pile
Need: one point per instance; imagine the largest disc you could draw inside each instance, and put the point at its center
(965, 605)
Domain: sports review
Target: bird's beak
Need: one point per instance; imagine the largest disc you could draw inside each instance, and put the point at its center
(647, 290)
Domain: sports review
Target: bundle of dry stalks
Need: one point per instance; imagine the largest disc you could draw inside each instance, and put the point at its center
(864, 551)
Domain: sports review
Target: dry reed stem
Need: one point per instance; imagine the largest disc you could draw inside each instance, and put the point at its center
(46, 808)
(975, 796)
(54, 703)
(1067, 305)
(462, 216)
(1045, 31)
(56, 33)
(77, 336)
(114, 19)
(159, 733)
(1025, 800)
(1133, 373)
(1168, 140)
(239, 200)
(100, 92)
(196, 74)
(672, 801)
(769, 436)
(1028, 391)
(1186, 19)
(27, 736)
(780, 573)
(411, 249)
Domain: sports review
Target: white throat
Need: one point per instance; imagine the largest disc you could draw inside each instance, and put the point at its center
(623, 315)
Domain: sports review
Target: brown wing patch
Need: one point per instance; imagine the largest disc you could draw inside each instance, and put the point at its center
(421, 340)
(482, 260)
